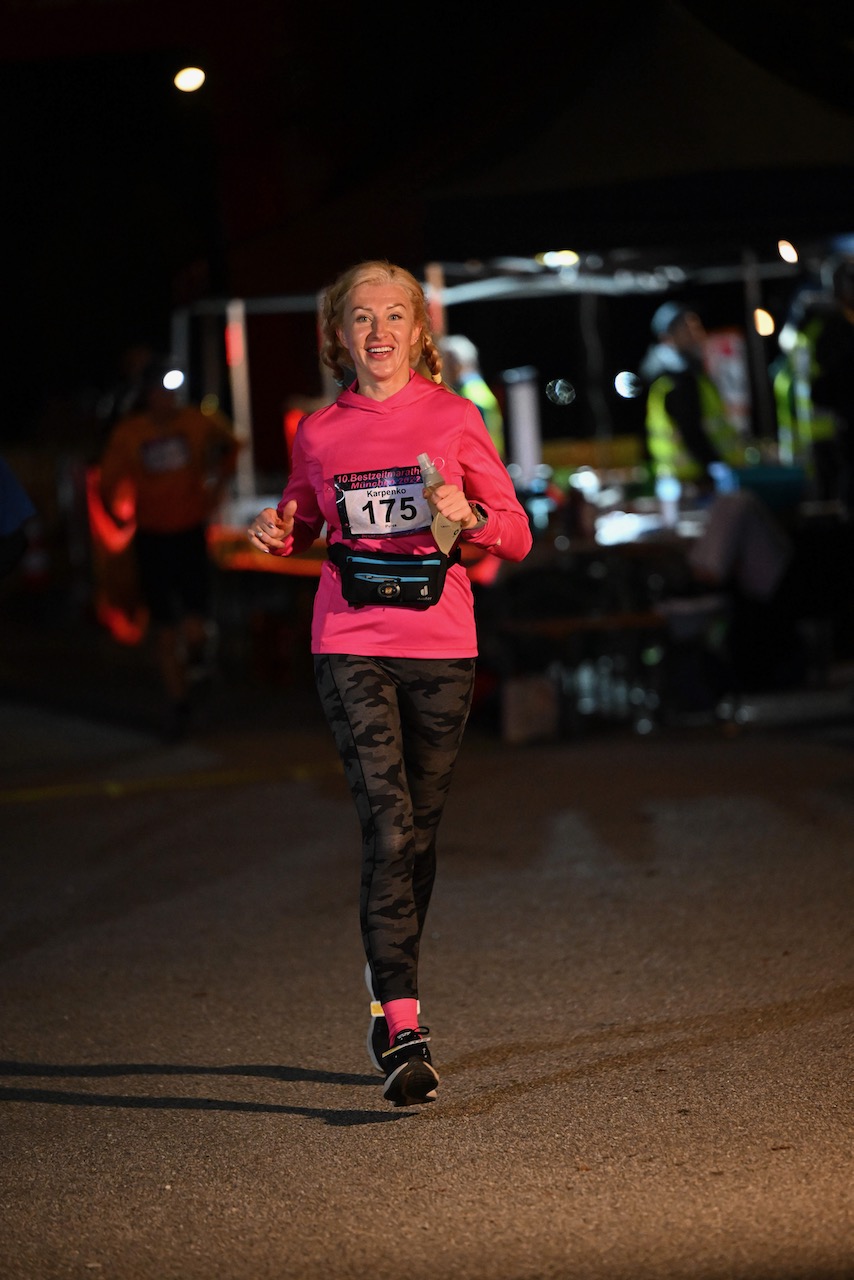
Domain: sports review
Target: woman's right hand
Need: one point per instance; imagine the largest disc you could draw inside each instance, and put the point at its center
(269, 530)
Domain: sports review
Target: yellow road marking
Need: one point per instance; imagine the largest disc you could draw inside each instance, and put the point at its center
(115, 789)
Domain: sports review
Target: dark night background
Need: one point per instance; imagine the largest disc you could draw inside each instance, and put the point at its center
(647, 133)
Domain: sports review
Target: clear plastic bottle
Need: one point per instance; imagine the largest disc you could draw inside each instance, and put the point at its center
(445, 532)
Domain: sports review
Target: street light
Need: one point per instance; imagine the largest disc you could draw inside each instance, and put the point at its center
(189, 79)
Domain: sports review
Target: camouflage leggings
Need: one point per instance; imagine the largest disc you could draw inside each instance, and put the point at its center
(398, 724)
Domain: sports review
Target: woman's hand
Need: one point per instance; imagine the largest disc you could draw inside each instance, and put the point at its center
(269, 531)
(452, 503)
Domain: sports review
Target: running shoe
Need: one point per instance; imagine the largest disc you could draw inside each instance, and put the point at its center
(411, 1077)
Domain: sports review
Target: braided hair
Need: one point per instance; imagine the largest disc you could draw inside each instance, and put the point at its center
(424, 355)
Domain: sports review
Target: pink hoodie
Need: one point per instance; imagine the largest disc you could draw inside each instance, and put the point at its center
(355, 469)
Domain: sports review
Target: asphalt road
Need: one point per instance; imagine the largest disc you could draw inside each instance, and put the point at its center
(638, 973)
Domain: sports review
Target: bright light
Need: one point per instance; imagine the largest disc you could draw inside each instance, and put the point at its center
(173, 379)
(189, 79)
(585, 479)
(788, 337)
(763, 322)
(622, 526)
(787, 251)
(628, 385)
(559, 258)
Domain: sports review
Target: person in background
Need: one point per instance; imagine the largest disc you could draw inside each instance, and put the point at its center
(745, 551)
(395, 680)
(167, 467)
(15, 510)
(687, 429)
(127, 392)
(461, 371)
(813, 390)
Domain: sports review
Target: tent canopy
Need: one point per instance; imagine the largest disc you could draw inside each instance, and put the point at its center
(676, 135)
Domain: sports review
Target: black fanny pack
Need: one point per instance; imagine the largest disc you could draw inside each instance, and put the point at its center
(381, 577)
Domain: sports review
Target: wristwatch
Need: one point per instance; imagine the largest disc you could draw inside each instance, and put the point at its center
(482, 516)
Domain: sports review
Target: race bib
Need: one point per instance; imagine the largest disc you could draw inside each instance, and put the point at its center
(381, 504)
(165, 453)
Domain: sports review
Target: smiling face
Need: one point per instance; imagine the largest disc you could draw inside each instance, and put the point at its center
(379, 331)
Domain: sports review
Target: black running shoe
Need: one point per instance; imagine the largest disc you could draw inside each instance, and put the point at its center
(411, 1077)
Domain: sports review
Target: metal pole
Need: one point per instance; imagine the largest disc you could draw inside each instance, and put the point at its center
(238, 372)
(523, 413)
(764, 419)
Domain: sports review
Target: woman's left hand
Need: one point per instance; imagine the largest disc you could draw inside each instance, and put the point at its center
(450, 501)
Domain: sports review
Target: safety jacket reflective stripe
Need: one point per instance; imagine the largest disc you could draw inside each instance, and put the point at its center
(799, 422)
(667, 448)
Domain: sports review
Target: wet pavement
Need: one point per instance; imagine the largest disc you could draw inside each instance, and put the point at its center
(638, 973)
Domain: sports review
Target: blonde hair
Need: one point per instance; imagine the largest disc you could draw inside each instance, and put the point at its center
(424, 355)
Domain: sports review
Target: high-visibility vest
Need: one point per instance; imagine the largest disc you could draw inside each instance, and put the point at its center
(667, 449)
(473, 388)
(799, 423)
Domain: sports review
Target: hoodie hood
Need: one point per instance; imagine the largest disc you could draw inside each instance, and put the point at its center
(416, 389)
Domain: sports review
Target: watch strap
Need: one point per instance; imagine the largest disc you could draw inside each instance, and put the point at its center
(482, 516)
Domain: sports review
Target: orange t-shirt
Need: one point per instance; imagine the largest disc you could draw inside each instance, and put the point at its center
(175, 465)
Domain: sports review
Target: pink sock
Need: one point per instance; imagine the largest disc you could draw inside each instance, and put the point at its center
(400, 1014)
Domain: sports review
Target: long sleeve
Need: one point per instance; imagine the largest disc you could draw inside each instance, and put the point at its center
(308, 521)
(117, 464)
(507, 532)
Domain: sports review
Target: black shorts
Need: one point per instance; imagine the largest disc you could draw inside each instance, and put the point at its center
(174, 573)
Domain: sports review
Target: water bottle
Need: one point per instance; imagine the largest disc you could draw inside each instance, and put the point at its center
(445, 532)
